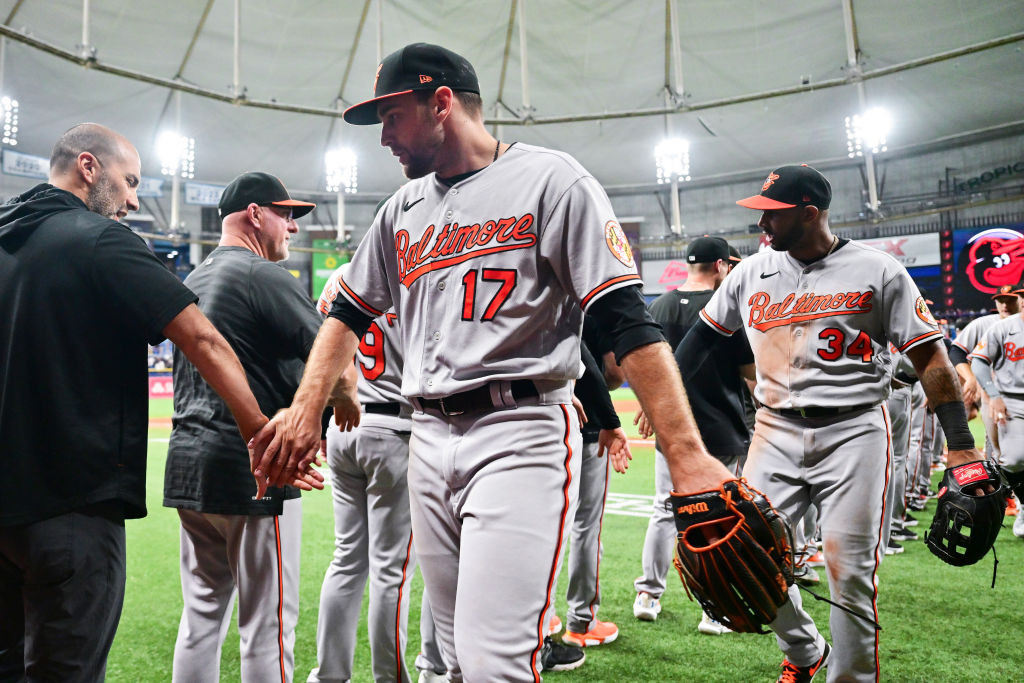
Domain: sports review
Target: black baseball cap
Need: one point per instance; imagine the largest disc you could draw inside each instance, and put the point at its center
(420, 66)
(734, 254)
(259, 188)
(707, 250)
(1007, 291)
(790, 186)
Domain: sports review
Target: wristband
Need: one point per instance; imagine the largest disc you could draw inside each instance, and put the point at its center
(953, 418)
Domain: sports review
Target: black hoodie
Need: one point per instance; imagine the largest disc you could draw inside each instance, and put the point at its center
(80, 296)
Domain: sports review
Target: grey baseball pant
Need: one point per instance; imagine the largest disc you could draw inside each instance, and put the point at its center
(256, 556)
(900, 413)
(372, 538)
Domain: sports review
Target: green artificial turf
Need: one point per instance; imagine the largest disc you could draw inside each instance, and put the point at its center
(940, 623)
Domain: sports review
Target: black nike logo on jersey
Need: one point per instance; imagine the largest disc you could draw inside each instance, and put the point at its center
(765, 276)
(406, 205)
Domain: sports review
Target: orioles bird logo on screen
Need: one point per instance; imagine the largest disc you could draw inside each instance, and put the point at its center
(995, 258)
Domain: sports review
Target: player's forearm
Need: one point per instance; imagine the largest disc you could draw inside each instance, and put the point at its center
(328, 360)
(654, 377)
(941, 385)
(209, 351)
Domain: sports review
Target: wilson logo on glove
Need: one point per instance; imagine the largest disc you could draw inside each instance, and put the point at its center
(692, 508)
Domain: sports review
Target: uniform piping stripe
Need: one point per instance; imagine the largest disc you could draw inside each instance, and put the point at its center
(881, 528)
(558, 547)
(934, 333)
(358, 300)
(597, 559)
(981, 356)
(709, 321)
(399, 649)
(600, 288)
(280, 599)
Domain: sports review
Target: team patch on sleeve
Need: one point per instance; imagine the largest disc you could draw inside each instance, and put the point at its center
(617, 242)
(923, 313)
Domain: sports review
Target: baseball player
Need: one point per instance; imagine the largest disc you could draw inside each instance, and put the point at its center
(965, 341)
(996, 363)
(229, 541)
(490, 255)
(717, 398)
(819, 311)
(372, 534)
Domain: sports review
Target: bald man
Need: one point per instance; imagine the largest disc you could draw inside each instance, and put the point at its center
(80, 297)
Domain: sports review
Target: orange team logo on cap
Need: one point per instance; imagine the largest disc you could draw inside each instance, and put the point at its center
(772, 177)
(425, 79)
(617, 243)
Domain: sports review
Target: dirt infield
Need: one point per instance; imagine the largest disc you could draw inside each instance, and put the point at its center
(626, 405)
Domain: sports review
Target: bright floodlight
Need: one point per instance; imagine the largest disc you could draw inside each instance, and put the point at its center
(673, 159)
(177, 154)
(868, 130)
(342, 170)
(9, 112)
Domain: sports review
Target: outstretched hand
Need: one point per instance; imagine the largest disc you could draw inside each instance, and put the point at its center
(643, 424)
(616, 444)
(283, 452)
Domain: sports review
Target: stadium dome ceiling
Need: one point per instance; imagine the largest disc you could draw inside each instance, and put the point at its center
(762, 83)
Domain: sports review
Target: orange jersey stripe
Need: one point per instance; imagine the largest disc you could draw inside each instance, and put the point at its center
(707, 318)
(280, 600)
(600, 288)
(358, 299)
(400, 665)
(934, 333)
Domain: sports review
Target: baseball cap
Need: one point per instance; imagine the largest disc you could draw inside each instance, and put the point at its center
(259, 188)
(707, 250)
(734, 254)
(419, 66)
(1007, 290)
(789, 186)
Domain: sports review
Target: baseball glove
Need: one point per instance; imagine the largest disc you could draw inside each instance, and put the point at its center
(965, 525)
(734, 553)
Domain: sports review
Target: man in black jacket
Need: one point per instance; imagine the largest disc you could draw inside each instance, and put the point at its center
(80, 297)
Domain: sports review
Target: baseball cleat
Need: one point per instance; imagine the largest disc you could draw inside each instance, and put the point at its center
(554, 626)
(909, 521)
(557, 657)
(1018, 526)
(427, 676)
(805, 576)
(791, 673)
(903, 535)
(599, 633)
(711, 627)
(893, 548)
(816, 560)
(646, 607)
(1011, 507)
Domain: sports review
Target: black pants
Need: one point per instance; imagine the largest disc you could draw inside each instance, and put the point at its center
(61, 592)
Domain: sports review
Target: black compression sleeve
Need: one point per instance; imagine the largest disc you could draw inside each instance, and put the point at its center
(953, 418)
(624, 317)
(957, 355)
(345, 311)
(592, 391)
(695, 349)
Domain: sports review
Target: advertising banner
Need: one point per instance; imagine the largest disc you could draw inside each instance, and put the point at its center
(324, 265)
(161, 385)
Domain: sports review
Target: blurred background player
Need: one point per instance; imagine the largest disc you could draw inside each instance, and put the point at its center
(718, 400)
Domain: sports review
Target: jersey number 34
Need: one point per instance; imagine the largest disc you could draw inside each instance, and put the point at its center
(835, 340)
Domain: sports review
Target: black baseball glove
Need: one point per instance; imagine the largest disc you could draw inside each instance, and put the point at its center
(966, 525)
(734, 553)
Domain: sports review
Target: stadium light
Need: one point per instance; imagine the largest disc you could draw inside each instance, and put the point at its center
(868, 130)
(672, 156)
(342, 170)
(177, 154)
(9, 112)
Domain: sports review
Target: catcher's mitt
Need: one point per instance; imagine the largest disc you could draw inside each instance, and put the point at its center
(965, 525)
(734, 554)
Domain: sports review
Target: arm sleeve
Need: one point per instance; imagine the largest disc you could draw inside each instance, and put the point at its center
(694, 350)
(627, 324)
(592, 391)
(357, 319)
(137, 287)
(983, 371)
(957, 355)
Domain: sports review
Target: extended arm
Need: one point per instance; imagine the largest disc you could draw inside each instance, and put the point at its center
(942, 387)
(983, 371)
(209, 351)
(963, 368)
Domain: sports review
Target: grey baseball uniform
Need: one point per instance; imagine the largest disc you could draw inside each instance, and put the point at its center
(490, 276)
(823, 435)
(1003, 350)
(372, 532)
(967, 339)
(901, 415)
